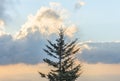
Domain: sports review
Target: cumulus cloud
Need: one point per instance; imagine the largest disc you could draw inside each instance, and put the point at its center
(27, 51)
(26, 46)
(79, 4)
(101, 52)
(47, 21)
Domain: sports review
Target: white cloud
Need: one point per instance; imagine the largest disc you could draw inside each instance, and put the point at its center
(26, 46)
(46, 21)
(71, 30)
(1, 23)
(2, 28)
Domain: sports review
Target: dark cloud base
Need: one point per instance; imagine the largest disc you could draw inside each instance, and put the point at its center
(107, 52)
(29, 51)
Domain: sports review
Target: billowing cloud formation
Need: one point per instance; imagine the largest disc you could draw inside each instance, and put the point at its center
(101, 52)
(26, 46)
(29, 50)
(47, 21)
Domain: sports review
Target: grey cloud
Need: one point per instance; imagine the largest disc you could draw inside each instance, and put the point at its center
(26, 46)
(27, 50)
(104, 52)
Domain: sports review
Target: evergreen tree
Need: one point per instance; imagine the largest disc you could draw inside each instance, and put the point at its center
(64, 65)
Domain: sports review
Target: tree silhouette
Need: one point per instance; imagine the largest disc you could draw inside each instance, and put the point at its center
(63, 62)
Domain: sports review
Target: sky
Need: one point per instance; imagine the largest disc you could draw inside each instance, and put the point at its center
(26, 24)
(94, 17)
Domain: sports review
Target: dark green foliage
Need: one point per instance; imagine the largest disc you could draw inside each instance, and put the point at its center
(64, 67)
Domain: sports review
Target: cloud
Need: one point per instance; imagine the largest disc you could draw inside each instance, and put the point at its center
(2, 25)
(101, 52)
(2, 28)
(47, 21)
(79, 4)
(27, 51)
(26, 46)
